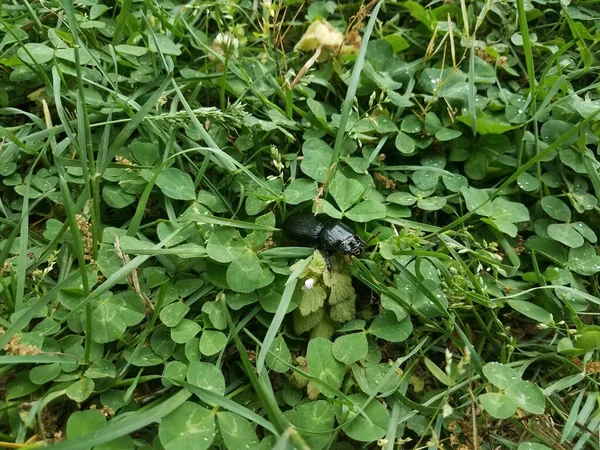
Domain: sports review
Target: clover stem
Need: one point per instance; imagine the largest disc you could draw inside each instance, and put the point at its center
(307, 66)
(224, 82)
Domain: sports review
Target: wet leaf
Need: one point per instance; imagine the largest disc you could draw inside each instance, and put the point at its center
(350, 348)
(188, 427)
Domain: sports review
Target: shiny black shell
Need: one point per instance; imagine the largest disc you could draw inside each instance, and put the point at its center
(334, 233)
(304, 228)
(330, 234)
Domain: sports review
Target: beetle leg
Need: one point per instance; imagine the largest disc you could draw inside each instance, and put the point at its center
(328, 261)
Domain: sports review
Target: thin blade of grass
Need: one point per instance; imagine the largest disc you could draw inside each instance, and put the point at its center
(83, 198)
(125, 426)
(140, 210)
(588, 162)
(317, 381)
(24, 318)
(392, 429)
(353, 84)
(412, 224)
(534, 160)
(267, 398)
(586, 53)
(23, 244)
(132, 125)
(472, 88)
(213, 398)
(80, 253)
(162, 290)
(564, 383)
(120, 275)
(37, 359)
(362, 273)
(548, 98)
(121, 21)
(528, 50)
(181, 251)
(592, 425)
(287, 252)
(477, 361)
(222, 221)
(283, 441)
(286, 298)
(84, 134)
(4, 133)
(230, 164)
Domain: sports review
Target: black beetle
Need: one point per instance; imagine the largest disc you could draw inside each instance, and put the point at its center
(328, 234)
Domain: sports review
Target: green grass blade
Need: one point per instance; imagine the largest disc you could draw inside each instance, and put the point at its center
(536, 159)
(472, 88)
(589, 162)
(392, 429)
(564, 383)
(25, 317)
(282, 308)
(23, 244)
(125, 426)
(224, 222)
(36, 359)
(225, 403)
(287, 252)
(120, 275)
(528, 50)
(267, 398)
(353, 84)
(132, 125)
(80, 253)
(121, 21)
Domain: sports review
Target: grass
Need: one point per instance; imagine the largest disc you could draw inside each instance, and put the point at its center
(150, 153)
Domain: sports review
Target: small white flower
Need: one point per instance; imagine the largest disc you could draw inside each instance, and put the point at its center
(308, 284)
(226, 44)
(227, 40)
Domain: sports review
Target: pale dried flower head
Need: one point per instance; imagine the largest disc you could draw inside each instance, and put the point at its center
(14, 346)
(321, 35)
(86, 231)
(225, 44)
(447, 410)
(124, 161)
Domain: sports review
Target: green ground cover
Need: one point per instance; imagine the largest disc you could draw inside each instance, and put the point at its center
(150, 152)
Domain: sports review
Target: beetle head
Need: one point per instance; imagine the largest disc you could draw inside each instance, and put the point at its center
(352, 246)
